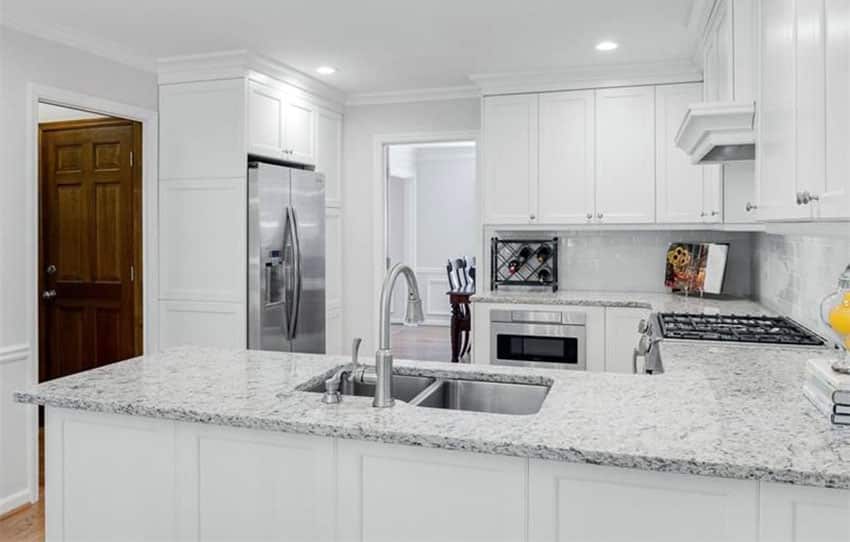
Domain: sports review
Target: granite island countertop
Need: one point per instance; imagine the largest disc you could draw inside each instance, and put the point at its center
(735, 412)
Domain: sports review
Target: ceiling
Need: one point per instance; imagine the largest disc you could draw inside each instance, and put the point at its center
(380, 45)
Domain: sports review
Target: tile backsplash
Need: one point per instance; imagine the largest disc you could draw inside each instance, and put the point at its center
(792, 273)
(636, 260)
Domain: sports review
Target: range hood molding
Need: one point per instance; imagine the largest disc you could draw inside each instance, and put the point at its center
(718, 132)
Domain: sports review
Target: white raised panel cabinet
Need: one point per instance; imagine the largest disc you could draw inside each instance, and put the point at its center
(300, 131)
(510, 159)
(740, 205)
(389, 493)
(241, 484)
(777, 119)
(266, 109)
(835, 192)
(109, 476)
(621, 337)
(803, 514)
(329, 154)
(587, 503)
(566, 190)
(712, 194)
(679, 184)
(281, 125)
(625, 155)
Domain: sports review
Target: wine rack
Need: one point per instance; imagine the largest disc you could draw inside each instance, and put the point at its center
(524, 262)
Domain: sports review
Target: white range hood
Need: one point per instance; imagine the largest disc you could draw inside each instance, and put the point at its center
(717, 132)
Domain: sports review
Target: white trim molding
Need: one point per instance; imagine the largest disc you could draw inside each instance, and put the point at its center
(588, 77)
(11, 354)
(242, 63)
(83, 42)
(414, 95)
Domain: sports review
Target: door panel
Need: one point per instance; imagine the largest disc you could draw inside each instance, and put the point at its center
(89, 242)
(308, 207)
(300, 122)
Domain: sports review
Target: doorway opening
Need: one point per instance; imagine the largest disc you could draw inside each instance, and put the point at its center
(430, 223)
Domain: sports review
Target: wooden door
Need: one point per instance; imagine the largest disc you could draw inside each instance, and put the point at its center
(625, 155)
(510, 159)
(566, 176)
(90, 239)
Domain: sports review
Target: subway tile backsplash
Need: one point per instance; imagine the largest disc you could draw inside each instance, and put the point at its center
(792, 273)
(636, 260)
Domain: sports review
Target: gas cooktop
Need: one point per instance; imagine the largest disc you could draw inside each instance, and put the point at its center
(736, 329)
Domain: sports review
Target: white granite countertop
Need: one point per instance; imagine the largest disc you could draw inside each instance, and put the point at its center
(735, 412)
(659, 302)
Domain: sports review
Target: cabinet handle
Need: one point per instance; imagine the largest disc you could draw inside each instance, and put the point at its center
(806, 197)
(799, 198)
(715, 213)
(532, 217)
(599, 216)
(702, 214)
(590, 216)
(750, 207)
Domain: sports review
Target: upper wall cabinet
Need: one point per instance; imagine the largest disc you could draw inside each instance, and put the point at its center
(566, 190)
(280, 126)
(625, 155)
(684, 193)
(510, 161)
(804, 167)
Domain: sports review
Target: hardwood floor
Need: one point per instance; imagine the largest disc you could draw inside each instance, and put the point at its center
(26, 524)
(427, 343)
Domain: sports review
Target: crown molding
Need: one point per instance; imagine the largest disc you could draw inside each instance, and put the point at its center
(414, 95)
(83, 42)
(588, 77)
(242, 63)
(698, 21)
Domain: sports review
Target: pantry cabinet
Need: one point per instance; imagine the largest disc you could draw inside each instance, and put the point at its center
(625, 155)
(510, 161)
(280, 125)
(566, 191)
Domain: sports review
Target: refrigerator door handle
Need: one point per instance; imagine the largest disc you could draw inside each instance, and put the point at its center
(297, 287)
(288, 250)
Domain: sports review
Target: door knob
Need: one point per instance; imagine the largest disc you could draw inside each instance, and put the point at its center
(50, 269)
(48, 295)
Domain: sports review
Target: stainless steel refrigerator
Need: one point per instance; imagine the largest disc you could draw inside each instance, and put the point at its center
(286, 259)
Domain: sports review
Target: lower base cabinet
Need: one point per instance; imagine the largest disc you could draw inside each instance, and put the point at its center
(112, 477)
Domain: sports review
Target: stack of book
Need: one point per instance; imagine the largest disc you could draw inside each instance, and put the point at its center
(828, 390)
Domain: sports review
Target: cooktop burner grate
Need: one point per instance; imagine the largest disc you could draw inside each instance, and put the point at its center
(736, 329)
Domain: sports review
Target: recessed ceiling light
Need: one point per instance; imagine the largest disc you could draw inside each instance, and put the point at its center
(606, 45)
(326, 70)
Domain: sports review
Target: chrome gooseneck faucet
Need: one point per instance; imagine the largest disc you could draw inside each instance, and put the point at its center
(413, 315)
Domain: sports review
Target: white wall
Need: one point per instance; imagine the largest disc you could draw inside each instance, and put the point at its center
(25, 60)
(362, 125)
(55, 113)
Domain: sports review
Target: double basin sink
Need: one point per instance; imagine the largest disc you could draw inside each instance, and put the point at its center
(457, 394)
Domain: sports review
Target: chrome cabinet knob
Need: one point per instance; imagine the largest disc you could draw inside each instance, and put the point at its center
(590, 216)
(702, 214)
(806, 197)
(750, 207)
(48, 295)
(799, 198)
(532, 217)
(715, 213)
(599, 216)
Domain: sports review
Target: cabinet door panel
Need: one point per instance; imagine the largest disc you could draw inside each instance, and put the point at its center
(777, 151)
(300, 131)
(712, 194)
(510, 159)
(265, 121)
(835, 194)
(625, 155)
(679, 184)
(393, 493)
(800, 514)
(574, 502)
(810, 110)
(566, 187)
(329, 154)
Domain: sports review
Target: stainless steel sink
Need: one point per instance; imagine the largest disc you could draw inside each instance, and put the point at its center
(479, 396)
(405, 388)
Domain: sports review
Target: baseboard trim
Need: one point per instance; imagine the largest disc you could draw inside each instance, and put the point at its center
(15, 502)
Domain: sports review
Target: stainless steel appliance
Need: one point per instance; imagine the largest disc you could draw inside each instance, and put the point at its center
(545, 339)
(286, 259)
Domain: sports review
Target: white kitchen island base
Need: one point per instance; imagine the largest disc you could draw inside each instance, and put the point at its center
(121, 477)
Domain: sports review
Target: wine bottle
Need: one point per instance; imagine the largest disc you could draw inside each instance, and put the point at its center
(544, 276)
(543, 253)
(522, 257)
